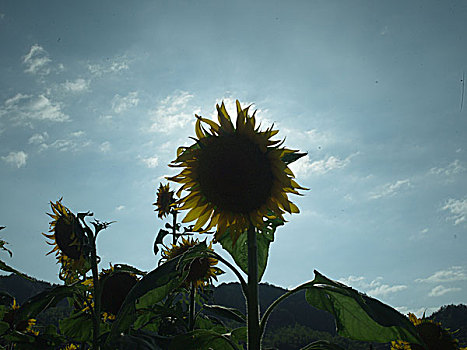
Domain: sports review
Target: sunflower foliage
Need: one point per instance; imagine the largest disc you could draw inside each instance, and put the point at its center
(234, 183)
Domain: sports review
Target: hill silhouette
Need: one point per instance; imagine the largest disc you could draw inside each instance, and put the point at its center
(293, 324)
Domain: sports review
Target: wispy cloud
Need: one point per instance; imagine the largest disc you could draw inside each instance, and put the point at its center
(304, 166)
(391, 189)
(151, 162)
(17, 159)
(453, 168)
(121, 104)
(23, 109)
(112, 65)
(441, 290)
(458, 210)
(452, 274)
(37, 61)
(75, 86)
(375, 288)
(74, 142)
(173, 113)
(120, 208)
(105, 147)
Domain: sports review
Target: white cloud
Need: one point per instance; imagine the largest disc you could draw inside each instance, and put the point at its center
(454, 168)
(452, 274)
(304, 166)
(375, 288)
(121, 104)
(151, 162)
(16, 158)
(417, 312)
(384, 289)
(173, 113)
(113, 65)
(458, 210)
(120, 208)
(441, 290)
(38, 139)
(105, 147)
(37, 61)
(22, 109)
(78, 85)
(391, 189)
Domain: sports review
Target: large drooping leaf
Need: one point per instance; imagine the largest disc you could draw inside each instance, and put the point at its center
(239, 249)
(359, 316)
(202, 339)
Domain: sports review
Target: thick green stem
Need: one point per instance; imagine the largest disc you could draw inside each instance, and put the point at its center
(254, 338)
(192, 309)
(97, 299)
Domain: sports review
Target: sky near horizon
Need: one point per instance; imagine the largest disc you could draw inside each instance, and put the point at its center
(95, 98)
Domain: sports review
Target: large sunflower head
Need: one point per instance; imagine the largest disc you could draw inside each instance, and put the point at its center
(433, 335)
(235, 175)
(165, 200)
(202, 270)
(68, 239)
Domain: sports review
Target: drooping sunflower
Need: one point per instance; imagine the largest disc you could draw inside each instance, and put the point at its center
(202, 270)
(235, 175)
(165, 199)
(68, 239)
(115, 287)
(433, 335)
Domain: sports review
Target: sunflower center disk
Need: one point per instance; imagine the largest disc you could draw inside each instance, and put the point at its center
(234, 174)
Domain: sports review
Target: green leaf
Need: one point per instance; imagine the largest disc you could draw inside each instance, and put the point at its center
(77, 327)
(322, 345)
(44, 300)
(152, 288)
(201, 339)
(239, 250)
(292, 157)
(227, 312)
(7, 268)
(239, 334)
(358, 316)
(4, 326)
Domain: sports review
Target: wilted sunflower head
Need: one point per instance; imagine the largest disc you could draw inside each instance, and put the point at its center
(69, 240)
(67, 235)
(165, 199)
(115, 288)
(433, 335)
(201, 269)
(235, 175)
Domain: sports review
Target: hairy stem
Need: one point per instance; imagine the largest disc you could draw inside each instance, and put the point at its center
(191, 320)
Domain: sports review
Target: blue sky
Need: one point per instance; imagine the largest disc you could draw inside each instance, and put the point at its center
(95, 98)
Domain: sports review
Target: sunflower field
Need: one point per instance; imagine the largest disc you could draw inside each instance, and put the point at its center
(232, 189)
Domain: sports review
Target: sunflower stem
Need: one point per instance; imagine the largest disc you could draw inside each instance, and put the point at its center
(191, 320)
(174, 227)
(254, 337)
(97, 301)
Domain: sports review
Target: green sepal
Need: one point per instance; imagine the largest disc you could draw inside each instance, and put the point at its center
(291, 157)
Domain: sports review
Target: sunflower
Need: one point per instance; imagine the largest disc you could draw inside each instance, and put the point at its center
(68, 239)
(115, 287)
(25, 326)
(235, 176)
(433, 335)
(201, 270)
(165, 199)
